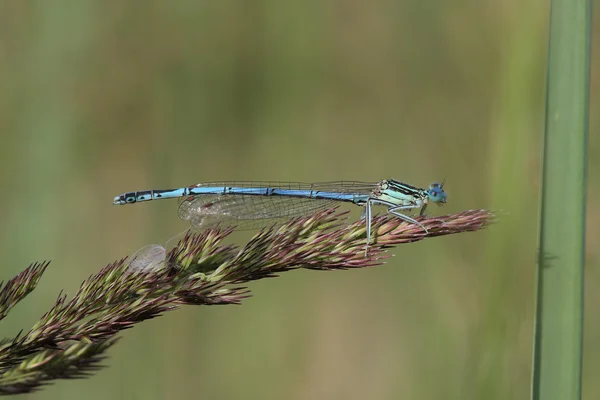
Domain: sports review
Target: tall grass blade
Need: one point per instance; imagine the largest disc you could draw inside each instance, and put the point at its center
(559, 313)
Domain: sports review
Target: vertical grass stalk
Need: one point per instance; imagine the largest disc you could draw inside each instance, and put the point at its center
(559, 314)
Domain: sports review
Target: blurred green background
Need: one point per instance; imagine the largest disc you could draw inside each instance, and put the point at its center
(98, 98)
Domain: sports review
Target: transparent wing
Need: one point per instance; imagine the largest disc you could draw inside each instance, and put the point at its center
(148, 258)
(247, 212)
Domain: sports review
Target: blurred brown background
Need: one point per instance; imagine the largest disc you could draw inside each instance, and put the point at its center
(98, 98)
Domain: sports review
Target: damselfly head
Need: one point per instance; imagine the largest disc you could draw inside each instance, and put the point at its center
(436, 193)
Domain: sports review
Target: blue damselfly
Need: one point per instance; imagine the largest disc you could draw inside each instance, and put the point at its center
(254, 203)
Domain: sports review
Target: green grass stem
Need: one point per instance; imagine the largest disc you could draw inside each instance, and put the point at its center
(559, 313)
